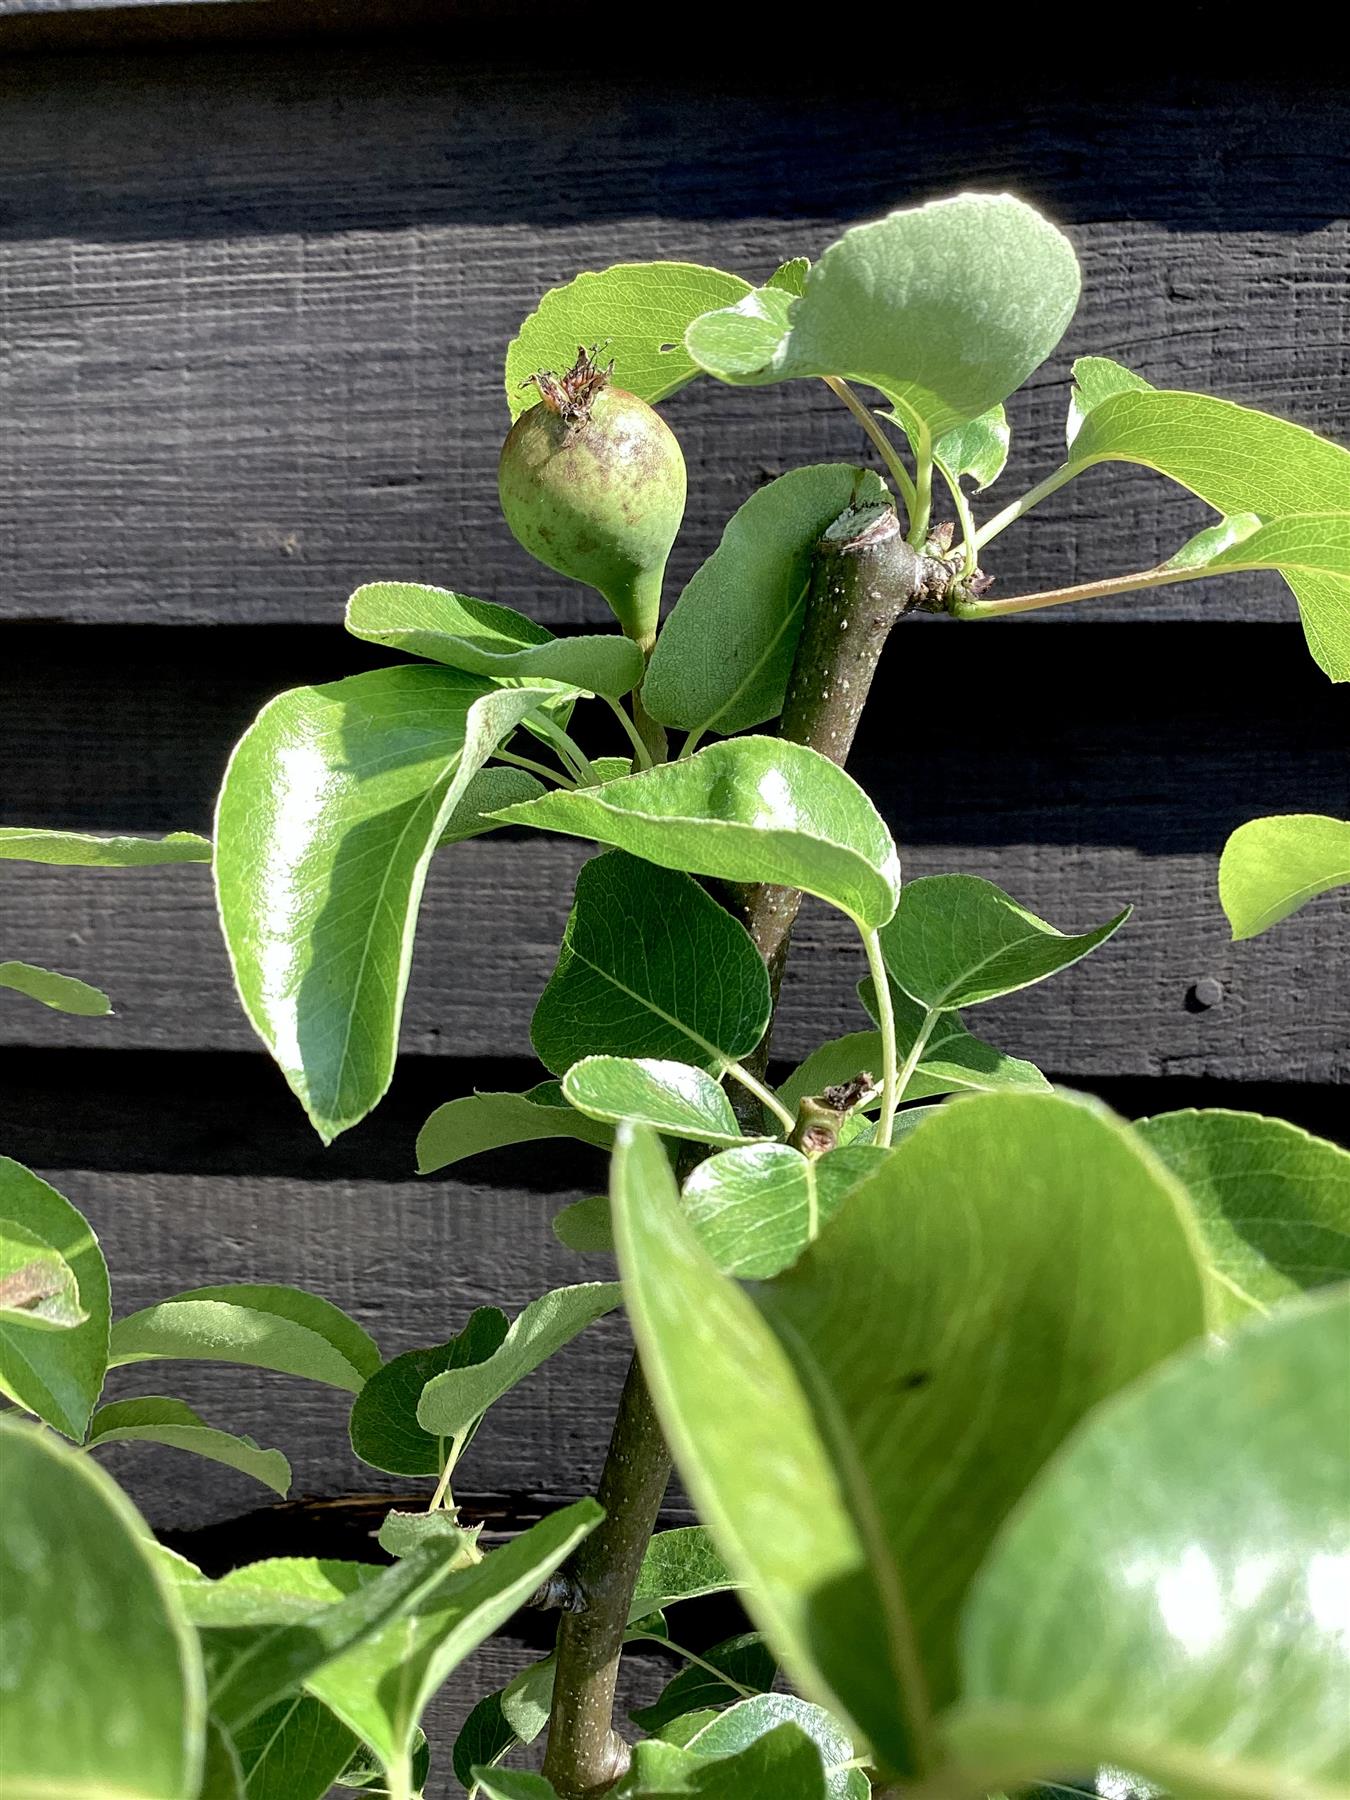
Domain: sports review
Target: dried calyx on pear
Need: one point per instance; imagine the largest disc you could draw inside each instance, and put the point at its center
(592, 483)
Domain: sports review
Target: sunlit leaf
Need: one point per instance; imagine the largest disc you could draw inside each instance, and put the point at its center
(383, 1425)
(63, 993)
(481, 1122)
(672, 1097)
(158, 1419)
(267, 1327)
(81, 849)
(1272, 867)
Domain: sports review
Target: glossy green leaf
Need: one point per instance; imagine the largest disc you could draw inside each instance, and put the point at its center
(1097, 378)
(294, 1750)
(1174, 1613)
(757, 1208)
(1273, 1204)
(81, 849)
(671, 1097)
(63, 993)
(749, 1720)
(745, 1659)
(56, 1374)
(39, 1290)
(383, 1425)
(947, 308)
(454, 1400)
(486, 793)
(481, 1122)
(634, 313)
(781, 1764)
(157, 1419)
(978, 449)
(584, 1225)
(956, 941)
(486, 639)
(724, 655)
(1239, 461)
(683, 1564)
(1272, 867)
(332, 805)
(104, 1692)
(650, 965)
(859, 1508)
(753, 809)
(264, 1326)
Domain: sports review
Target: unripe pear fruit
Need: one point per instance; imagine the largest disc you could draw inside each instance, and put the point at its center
(592, 483)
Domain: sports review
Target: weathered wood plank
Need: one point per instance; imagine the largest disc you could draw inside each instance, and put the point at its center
(494, 912)
(254, 312)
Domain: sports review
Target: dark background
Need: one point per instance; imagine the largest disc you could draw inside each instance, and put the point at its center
(258, 268)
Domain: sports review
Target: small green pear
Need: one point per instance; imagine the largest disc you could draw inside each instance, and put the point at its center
(592, 483)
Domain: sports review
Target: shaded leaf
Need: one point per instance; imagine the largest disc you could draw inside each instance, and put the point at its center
(451, 1402)
(859, 1508)
(1272, 1202)
(364, 1770)
(105, 1692)
(294, 1750)
(957, 941)
(782, 1764)
(56, 1374)
(1143, 1608)
(1272, 867)
(383, 1424)
(753, 809)
(81, 849)
(650, 966)
(671, 1097)
(157, 1419)
(634, 313)
(757, 1208)
(63, 993)
(332, 805)
(487, 792)
(724, 655)
(513, 1784)
(266, 1326)
(947, 308)
(746, 1659)
(749, 1720)
(584, 1225)
(481, 1122)
(222, 1773)
(485, 639)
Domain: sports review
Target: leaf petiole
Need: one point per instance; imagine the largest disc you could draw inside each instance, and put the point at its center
(569, 752)
(765, 1095)
(922, 510)
(554, 776)
(965, 518)
(1032, 497)
(643, 754)
(891, 1088)
(885, 449)
(699, 1662)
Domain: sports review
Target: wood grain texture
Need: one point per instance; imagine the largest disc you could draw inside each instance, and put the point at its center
(254, 309)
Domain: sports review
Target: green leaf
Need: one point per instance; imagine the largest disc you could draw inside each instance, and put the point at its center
(978, 449)
(671, 1097)
(487, 792)
(1239, 461)
(222, 1772)
(782, 1764)
(104, 1692)
(858, 1506)
(1273, 1204)
(1147, 1607)
(682, 1564)
(288, 1619)
(63, 993)
(483, 1737)
(1097, 378)
(56, 1374)
(749, 1720)
(1312, 543)
(753, 809)
(757, 1208)
(294, 1751)
(584, 1225)
(382, 1688)
(383, 1426)
(634, 313)
(364, 1770)
(332, 805)
(80, 849)
(513, 1784)
(453, 1401)
(947, 308)
(485, 639)
(791, 276)
(156, 1419)
(403, 1532)
(650, 965)
(38, 1288)
(724, 655)
(1272, 867)
(1201, 550)
(264, 1326)
(956, 941)
(481, 1122)
(745, 1659)
(687, 1726)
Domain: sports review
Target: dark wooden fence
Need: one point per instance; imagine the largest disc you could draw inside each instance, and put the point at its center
(254, 298)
